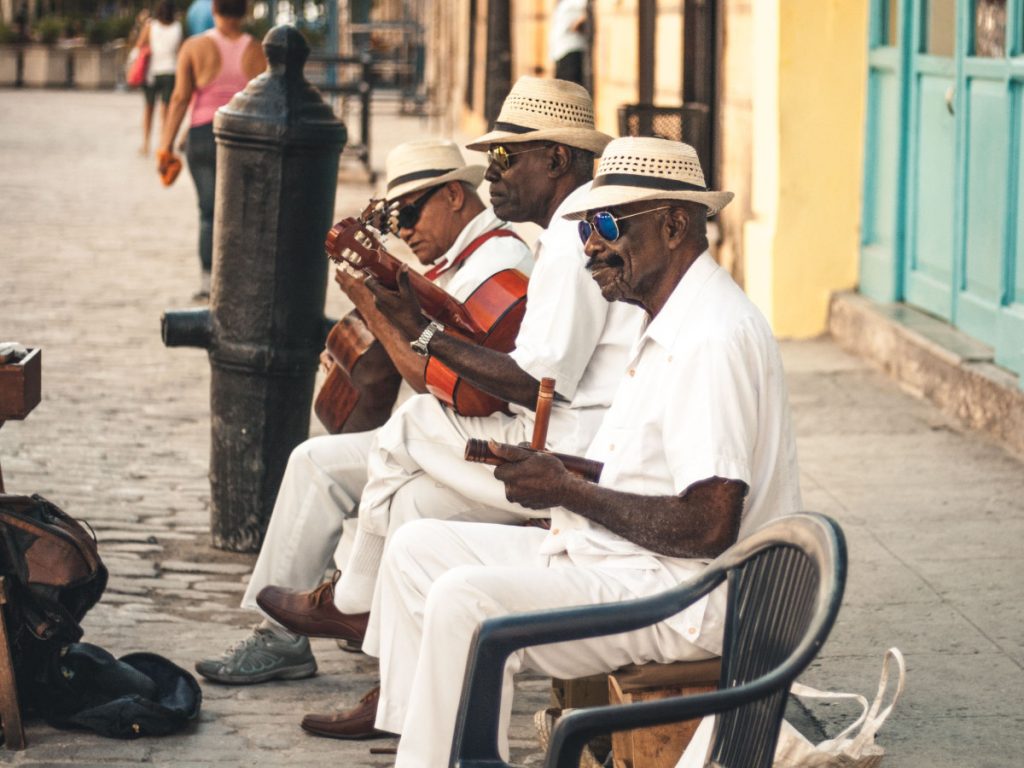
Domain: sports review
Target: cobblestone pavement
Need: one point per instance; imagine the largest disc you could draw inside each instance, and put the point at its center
(93, 249)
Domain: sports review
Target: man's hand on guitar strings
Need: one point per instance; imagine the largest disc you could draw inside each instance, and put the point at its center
(401, 307)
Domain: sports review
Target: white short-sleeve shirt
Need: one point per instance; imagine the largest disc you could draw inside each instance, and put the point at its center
(704, 395)
(572, 334)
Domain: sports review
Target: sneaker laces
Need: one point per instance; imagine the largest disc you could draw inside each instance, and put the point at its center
(258, 636)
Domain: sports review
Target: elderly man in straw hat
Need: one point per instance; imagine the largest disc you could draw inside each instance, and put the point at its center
(446, 225)
(697, 450)
(541, 162)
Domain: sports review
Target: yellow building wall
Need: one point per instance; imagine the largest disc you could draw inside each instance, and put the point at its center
(822, 65)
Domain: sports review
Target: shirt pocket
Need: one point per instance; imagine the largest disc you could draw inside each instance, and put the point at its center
(634, 459)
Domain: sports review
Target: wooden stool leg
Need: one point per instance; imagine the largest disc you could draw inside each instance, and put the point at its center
(10, 714)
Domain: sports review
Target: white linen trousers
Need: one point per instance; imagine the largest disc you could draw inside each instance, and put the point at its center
(440, 579)
(417, 469)
(319, 491)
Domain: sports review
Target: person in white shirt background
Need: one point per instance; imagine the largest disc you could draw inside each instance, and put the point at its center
(163, 35)
(567, 39)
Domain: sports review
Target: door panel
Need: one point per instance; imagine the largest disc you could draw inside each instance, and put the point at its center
(1009, 341)
(987, 148)
(931, 217)
(878, 275)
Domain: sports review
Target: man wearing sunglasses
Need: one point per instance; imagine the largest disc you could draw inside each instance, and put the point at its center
(697, 449)
(541, 155)
(432, 193)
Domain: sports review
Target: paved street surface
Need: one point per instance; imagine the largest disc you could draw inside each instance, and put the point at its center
(93, 249)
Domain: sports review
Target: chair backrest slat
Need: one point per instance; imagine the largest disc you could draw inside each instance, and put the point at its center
(772, 599)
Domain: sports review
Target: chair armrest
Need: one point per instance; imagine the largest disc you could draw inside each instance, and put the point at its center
(496, 639)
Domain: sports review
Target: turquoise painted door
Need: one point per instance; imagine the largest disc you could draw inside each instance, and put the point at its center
(943, 220)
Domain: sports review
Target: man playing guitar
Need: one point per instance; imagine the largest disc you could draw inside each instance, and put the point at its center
(440, 216)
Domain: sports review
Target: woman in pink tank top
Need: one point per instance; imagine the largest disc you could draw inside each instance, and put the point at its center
(212, 68)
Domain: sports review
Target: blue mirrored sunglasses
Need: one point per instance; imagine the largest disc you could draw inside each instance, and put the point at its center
(607, 224)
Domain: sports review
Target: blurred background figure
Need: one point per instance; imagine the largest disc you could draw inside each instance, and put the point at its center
(199, 17)
(163, 35)
(212, 67)
(567, 39)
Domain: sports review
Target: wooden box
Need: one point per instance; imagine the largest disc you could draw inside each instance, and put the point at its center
(660, 746)
(20, 385)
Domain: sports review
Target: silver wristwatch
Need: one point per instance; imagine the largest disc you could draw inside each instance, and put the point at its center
(421, 345)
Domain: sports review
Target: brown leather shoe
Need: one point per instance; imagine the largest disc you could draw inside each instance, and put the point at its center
(313, 613)
(354, 723)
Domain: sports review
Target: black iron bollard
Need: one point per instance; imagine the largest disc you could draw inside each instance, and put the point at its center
(277, 166)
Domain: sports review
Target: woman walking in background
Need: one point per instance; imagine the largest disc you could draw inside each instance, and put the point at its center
(163, 35)
(212, 67)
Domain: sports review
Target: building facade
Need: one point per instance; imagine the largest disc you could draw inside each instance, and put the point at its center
(871, 144)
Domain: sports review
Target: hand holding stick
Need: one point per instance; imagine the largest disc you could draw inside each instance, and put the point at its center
(479, 451)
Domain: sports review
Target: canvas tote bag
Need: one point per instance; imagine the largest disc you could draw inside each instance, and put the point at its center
(853, 747)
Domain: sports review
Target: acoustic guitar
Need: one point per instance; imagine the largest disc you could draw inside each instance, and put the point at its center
(490, 316)
(361, 384)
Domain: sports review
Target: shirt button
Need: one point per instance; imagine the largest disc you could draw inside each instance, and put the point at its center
(611, 446)
(632, 371)
(692, 631)
(555, 531)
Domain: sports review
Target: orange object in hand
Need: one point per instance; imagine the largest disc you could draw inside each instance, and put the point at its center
(168, 165)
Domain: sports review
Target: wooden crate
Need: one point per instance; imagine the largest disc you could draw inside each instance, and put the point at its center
(20, 385)
(591, 691)
(660, 746)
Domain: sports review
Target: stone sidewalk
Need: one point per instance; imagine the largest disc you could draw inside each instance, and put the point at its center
(93, 249)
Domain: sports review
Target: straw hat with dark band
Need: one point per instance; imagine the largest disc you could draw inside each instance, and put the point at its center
(638, 168)
(417, 165)
(539, 109)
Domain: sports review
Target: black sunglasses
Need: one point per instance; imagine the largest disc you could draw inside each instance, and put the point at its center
(409, 214)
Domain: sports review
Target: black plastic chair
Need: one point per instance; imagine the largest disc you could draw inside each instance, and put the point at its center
(785, 584)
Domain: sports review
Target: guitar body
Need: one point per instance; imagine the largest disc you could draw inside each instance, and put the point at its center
(362, 383)
(497, 305)
(490, 316)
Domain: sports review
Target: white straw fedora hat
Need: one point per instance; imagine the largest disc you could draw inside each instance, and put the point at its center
(417, 165)
(639, 168)
(538, 109)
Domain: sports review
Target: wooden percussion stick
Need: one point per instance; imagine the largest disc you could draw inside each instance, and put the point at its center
(545, 395)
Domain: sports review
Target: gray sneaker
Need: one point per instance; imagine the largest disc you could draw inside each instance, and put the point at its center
(264, 655)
